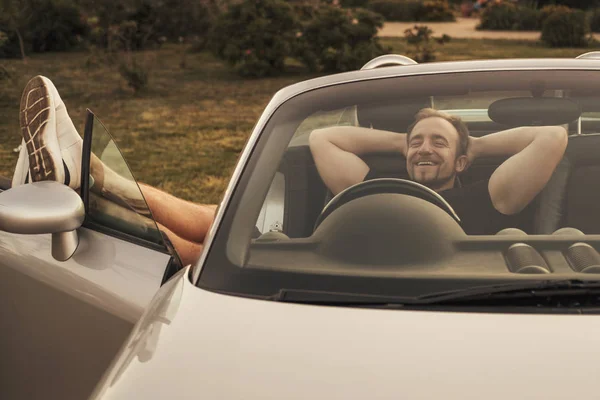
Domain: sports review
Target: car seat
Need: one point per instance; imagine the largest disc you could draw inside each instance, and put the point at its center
(577, 191)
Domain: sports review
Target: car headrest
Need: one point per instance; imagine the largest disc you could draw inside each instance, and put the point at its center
(534, 111)
(394, 116)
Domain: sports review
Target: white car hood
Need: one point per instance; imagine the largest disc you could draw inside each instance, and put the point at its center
(196, 344)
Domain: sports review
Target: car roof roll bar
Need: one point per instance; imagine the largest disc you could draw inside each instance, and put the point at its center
(389, 60)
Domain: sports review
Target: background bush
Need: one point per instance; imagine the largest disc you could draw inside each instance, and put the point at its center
(509, 16)
(548, 10)
(134, 72)
(45, 25)
(435, 10)
(396, 10)
(423, 43)
(156, 21)
(594, 19)
(413, 10)
(566, 29)
(56, 25)
(336, 40)
(255, 37)
(9, 46)
(580, 4)
(354, 3)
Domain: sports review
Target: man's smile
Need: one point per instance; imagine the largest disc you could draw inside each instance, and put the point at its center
(426, 163)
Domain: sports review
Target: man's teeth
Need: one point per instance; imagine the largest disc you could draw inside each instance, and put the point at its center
(424, 163)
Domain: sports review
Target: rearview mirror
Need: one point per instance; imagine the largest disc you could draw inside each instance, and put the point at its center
(44, 207)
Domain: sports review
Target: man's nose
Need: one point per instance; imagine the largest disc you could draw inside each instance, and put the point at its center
(425, 148)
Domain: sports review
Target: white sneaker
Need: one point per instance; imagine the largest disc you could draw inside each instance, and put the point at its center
(51, 147)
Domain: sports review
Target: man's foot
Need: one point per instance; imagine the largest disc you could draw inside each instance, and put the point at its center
(51, 147)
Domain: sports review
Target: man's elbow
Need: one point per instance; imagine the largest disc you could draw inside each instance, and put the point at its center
(558, 137)
(506, 200)
(315, 140)
(508, 206)
(318, 138)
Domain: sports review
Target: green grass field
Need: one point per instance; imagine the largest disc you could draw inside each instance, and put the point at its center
(183, 134)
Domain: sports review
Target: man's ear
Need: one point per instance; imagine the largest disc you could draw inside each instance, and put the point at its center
(461, 164)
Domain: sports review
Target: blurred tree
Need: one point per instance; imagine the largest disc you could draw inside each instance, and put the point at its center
(423, 42)
(256, 36)
(55, 25)
(14, 17)
(104, 15)
(155, 20)
(336, 40)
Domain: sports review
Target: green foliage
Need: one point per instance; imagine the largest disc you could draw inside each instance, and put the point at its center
(423, 43)
(3, 39)
(135, 73)
(594, 19)
(186, 19)
(579, 4)
(529, 19)
(413, 10)
(129, 36)
(396, 10)
(566, 29)
(354, 3)
(5, 75)
(337, 40)
(44, 25)
(436, 10)
(509, 16)
(14, 21)
(55, 25)
(123, 27)
(9, 44)
(546, 11)
(156, 21)
(255, 37)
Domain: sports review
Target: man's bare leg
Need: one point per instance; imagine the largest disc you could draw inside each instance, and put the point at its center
(185, 223)
(188, 252)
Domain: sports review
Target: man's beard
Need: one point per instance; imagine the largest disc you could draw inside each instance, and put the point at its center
(434, 183)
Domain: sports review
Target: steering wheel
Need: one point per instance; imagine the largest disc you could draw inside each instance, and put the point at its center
(385, 185)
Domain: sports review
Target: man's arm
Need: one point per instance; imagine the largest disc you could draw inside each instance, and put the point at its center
(535, 152)
(336, 152)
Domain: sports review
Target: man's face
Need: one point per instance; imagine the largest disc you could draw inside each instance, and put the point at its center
(431, 157)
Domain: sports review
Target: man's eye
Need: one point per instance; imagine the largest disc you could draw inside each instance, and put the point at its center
(415, 144)
(439, 143)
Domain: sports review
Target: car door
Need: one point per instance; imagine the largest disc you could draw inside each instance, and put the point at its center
(63, 321)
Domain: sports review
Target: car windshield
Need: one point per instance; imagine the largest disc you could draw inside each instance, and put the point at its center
(372, 211)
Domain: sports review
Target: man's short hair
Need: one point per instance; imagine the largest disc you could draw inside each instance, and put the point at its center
(457, 123)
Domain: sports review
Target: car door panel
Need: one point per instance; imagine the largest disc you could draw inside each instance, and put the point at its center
(105, 271)
(64, 321)
(53, 345)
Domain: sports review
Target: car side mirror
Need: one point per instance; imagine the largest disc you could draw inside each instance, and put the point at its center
(44, 207)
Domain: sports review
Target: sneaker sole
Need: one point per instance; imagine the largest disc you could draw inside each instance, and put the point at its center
(34, 116)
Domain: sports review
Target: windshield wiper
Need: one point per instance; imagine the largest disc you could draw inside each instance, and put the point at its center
(544, 288)
(508, 291)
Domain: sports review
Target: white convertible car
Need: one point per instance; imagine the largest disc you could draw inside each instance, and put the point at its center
(376, 292)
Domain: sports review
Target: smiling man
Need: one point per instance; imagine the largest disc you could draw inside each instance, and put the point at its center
(437, 149)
